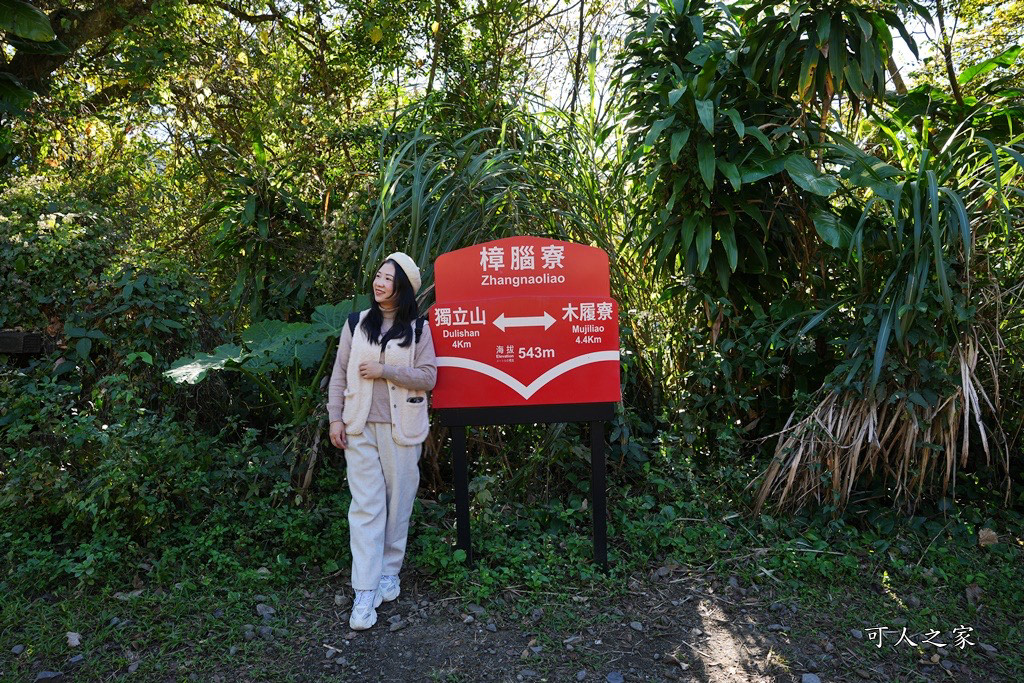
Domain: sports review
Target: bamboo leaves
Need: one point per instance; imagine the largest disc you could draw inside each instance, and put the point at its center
(437, 195)
(823, 49)
(698, 150)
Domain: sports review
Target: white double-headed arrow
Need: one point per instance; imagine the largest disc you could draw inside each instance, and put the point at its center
(501, 322)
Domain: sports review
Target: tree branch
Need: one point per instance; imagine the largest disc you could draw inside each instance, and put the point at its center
(107, 17)
(274, 14)
(947, 53)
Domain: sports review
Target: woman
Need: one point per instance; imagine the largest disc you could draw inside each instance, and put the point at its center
(377, 403)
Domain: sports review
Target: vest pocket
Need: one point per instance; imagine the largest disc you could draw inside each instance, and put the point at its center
(413, 419)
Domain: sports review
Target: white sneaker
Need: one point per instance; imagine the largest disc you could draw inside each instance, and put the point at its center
(389, 588)
(364, 610)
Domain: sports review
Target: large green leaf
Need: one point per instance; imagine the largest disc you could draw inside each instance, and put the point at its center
(34, 47)
(728, 235)
(25, 21)
(871, 172)
(193, 370)
(731, 173)
(706, 112)
(262, 331)
(657, 129)
(703, 244)
(1005, 58)
(333, 316)
(803, 172)
(706, 162)
(14, 97)
(699, 54)
(679, 139)
(751, 174)
(882, 344)
(309, 353)
(831, 229)
(83, 347)
(737, 121)
(807, 69)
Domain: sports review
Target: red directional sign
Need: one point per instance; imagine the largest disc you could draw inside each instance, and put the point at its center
(524, 321)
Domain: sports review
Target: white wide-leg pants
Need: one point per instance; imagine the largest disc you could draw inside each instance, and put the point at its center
(383, 478)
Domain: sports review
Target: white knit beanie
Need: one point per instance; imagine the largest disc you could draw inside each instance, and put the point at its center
(412, 271)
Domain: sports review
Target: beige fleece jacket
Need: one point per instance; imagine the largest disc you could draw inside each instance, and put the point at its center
(421, 376)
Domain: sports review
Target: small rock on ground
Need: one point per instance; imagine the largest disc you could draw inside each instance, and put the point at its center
(49, 675)
(581, 674)
(614, 677)
(809, 678)
(17, 649)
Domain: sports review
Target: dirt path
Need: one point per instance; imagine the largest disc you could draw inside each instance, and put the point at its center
(664, 630)
(674, 624)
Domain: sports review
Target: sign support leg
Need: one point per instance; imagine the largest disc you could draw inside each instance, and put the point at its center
(597, 494)
(461, 492)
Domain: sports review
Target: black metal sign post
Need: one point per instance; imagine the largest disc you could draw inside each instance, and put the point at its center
(457, 419)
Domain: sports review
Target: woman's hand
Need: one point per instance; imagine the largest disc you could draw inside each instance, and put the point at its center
(338, 437)
(370, 369)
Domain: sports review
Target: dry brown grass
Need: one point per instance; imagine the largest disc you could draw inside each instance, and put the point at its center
(847, 441)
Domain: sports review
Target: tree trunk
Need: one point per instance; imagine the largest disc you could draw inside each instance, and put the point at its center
(433, 56)
(578, 70)
(897, 79)
(947, 53)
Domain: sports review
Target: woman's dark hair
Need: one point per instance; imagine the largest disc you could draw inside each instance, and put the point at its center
(405, 314)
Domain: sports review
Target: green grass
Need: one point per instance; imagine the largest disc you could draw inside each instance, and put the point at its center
(174, 632)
